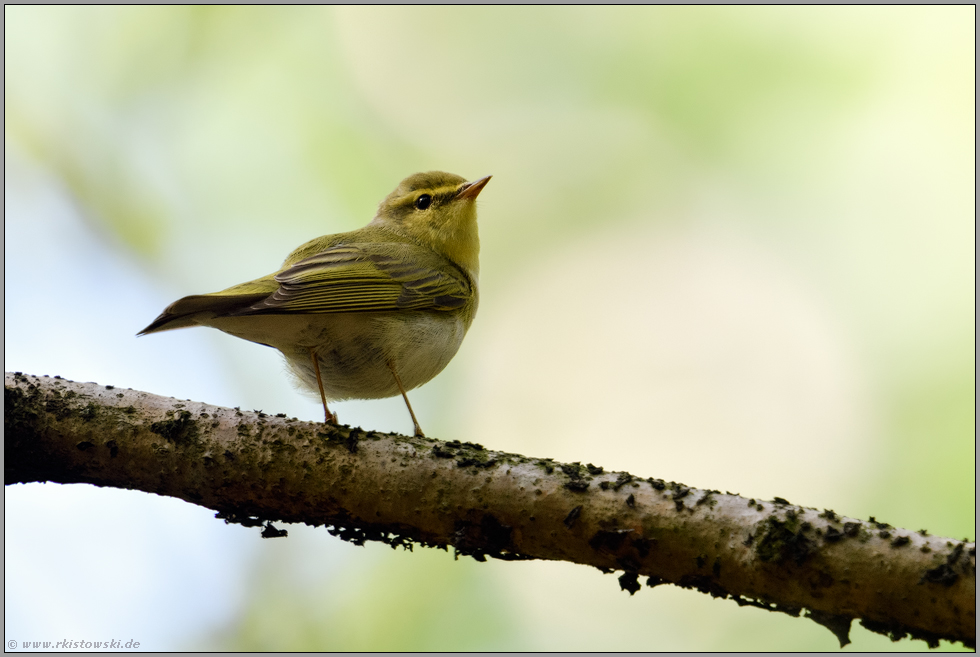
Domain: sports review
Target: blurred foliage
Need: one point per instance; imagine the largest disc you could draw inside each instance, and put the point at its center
(836, 141)
(420, 601)
(242, 116)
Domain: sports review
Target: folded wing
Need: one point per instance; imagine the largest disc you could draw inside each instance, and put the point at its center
(367, 278)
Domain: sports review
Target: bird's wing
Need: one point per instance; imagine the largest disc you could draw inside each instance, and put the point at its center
(367, 277)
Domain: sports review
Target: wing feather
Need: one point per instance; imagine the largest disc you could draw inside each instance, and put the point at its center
(367, 277)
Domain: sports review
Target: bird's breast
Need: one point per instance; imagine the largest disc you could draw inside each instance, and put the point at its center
(354, 350)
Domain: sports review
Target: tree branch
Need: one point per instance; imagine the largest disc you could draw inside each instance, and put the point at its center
(254, 469)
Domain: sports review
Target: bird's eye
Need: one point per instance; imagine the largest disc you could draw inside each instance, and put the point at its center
(423, 201)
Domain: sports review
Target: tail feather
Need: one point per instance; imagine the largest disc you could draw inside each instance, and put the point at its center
(190, 311)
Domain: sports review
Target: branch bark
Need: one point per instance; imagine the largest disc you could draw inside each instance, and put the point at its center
(255, 469)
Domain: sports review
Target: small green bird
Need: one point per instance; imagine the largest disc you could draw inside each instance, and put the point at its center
(366, 314)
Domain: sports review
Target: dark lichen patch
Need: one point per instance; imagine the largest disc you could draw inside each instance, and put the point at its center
(852, 529)
(708, 498)
(838, 624)
(704, 584)
(593, 469)
(829, 515)
(944, 574)
(113, 449)
(781, 501)
(488, 538)
(658, 484)
(900, 541)
(237, 518)
(884, 534)
(879, 525)
(57, 405)
(352, 438)
(476, 463)
(181, 428)
(84, 446)
(90, 412)
(628, 548)
(609, 541)
(789, 610)
(359, 536)
(631, 501)
(622, 479)
(278, 447)
(832, 535)
(576, 472)
(573, 516)
(780, 540)
(680, 492)
(941, 574)
(897, 632)
(454, 448)
(629, 582)
(269, 531)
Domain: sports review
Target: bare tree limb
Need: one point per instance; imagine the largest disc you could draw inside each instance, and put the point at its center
(254, 469)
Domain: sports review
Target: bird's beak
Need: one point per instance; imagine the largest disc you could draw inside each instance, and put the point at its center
(472, 189)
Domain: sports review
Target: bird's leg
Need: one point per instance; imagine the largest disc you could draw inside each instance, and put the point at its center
(418, 429)
(328, 417)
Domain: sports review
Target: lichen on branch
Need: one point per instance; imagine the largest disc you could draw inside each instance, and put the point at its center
(257, 469)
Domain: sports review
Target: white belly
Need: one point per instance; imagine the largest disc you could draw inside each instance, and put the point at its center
(354, 349)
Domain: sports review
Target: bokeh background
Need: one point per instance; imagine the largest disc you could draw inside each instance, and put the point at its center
(732, 247)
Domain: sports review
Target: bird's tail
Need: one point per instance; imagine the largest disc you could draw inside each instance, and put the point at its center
(195, 310)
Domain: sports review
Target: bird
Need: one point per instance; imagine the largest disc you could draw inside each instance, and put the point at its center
(367, 314)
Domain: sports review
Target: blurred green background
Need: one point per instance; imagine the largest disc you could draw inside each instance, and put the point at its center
(732, 247)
